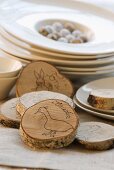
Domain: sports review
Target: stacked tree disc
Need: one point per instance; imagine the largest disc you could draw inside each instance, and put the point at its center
(29, 99)
(9, 116)
(44, 108)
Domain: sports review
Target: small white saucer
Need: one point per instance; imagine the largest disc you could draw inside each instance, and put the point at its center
(96, 113)
(83, 92)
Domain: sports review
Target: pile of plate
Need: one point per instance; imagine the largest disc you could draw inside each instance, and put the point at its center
(80, 99)
(20, 21)
(9, 71)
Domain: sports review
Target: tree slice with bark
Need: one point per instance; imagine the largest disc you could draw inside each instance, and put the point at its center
(38, 76)
(9, 116)
(96, 135)
(30, 99)
(102, 99)
(49, 124)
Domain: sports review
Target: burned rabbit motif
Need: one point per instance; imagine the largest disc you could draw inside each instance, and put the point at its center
(45, 81)
(41, 82)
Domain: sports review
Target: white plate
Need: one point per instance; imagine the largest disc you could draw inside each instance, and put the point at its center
(97, 19)
(6, 55)
(88, 73)
(93, 69)
(41, 51)
(96, 113)
(12, 49)
(83, 92)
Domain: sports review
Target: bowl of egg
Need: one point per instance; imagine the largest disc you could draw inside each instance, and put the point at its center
(64, 31)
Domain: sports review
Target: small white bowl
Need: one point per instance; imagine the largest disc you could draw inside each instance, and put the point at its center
(9, 67)
(6, 84)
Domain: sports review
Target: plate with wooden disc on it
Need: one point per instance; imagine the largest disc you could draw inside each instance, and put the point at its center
(97, 95)
(93, 112)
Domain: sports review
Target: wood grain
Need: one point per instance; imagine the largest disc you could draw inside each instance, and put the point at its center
(96, 135)
(38, 76)
(9, 116)
(29, 99)
(49, 124)
(102, 99)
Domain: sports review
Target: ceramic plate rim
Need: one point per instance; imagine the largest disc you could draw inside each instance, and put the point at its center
(59, 55)
(10, 28)
(17, 52)
(87, 93)
(93, 112)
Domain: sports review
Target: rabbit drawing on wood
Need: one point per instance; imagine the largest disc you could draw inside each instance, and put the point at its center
(45, 81)
(41, 83)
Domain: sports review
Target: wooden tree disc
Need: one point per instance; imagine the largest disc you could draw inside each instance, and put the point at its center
(30, 99)
(96, 135)
(38, 76)
(102, 99)
(49, 124)
(9, 116)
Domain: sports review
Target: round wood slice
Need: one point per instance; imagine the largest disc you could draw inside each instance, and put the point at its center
(49, 124)
(9, 116)
(30, 99)
(38, 76)
(96, 135)
(102, 99)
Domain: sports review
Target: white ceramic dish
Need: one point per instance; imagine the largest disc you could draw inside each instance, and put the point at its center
(83, 92)
(88, 73)
(100, 24)
(4, 54)
(41, 51)
(9, 67)
(96, 113)
(6, 85)
(93, 69)
(12, 49)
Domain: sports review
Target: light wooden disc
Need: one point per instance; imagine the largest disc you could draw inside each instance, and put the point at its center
(49, 122)
(102, 99)
(39, 76)
(30, 99)
(96, 135)
(9, 116)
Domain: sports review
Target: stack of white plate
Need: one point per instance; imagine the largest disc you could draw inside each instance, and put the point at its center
(9, 71)
(81, 97)
(20, 39)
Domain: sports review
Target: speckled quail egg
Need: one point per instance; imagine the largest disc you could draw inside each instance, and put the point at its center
(69, 26)
(83, 37)
(57, 26)
(45, 30)
(76, 33)
(52, 36)
(63, 39)
(64, 32)
(70, 37)
(77, 41)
